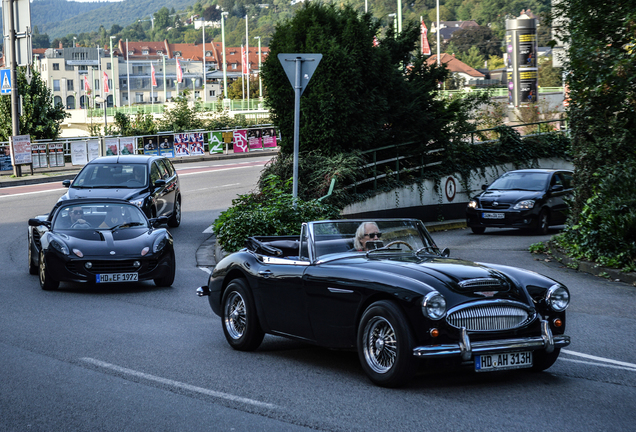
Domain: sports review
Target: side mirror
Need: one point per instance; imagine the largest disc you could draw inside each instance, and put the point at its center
(445, 252)
(155, 222)
(557, 188)
(484, 187)
(34, 222)
(66, 183)
(160, 183)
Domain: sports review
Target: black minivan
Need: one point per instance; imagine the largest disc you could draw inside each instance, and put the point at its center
(150, 182)
(530, 199)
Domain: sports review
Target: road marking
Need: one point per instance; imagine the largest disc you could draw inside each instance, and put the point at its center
(601, 359)
(214, 187)
(599, 364)
(215, 171)
(177, 384)
(29, 193)
(205, 269)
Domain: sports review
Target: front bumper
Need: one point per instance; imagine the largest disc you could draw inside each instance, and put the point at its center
(465, 349)
(511, 219)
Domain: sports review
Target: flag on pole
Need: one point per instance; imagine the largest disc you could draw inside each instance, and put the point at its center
(106, 89)
(244, 60)
(426, 48)
(154, 78)
(87, 86)
(179, 72)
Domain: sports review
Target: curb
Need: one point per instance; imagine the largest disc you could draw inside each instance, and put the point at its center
(591, 267)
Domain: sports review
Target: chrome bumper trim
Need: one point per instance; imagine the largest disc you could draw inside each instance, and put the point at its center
(466, 349)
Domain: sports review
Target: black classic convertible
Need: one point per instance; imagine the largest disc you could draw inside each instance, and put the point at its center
(99, 241)
(384, 288)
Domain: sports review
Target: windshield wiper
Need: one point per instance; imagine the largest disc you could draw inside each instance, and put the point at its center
(432, 250)
(126, 225)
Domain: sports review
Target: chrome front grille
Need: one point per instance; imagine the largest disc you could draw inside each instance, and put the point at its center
(489, 317)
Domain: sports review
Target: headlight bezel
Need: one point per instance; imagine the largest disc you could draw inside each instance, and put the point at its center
(59, 246)
(472, 204)
(524, 205)
(557, 298)
(160, 243)
(434, 306)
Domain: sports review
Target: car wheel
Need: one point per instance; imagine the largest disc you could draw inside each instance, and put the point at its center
(33, 269)
(542, 360)
(175, 219)
(47, 283)
(478, 230)
(168, 280)
(385, 345)
(240, 321)
(543, 222)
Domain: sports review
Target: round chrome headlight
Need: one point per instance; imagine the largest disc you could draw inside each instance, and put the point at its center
(558, 298)
(472, 204)
(434, 306)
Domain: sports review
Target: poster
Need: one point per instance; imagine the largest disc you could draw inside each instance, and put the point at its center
(5, 159)
(215, 143)
(93, 149)
(269, 137)
(112, 146)
(166, 145)
(181, 145)
(151, 146)
(42, 155)
(35, 156)
(240, 141)
(528, 86)
(527, 57)
(196, 144)
(52, 155)
(127, 146)
(254, 139)
(79, 155)
(59, 147)
(21, 149)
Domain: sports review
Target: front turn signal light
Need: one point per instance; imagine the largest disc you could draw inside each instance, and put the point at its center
(434, 332)
(557, 322)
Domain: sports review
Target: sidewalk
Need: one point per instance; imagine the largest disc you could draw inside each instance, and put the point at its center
(68, 172)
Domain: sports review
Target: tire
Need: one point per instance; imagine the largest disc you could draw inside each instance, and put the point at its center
(542, 360)
(33, 268)
(168, 280)
(47, 283)
(385, 345)
(478, 230)
(175, 218)
(543, 222)
(240, 320)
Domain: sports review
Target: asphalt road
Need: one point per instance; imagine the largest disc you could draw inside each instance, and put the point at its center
(138, 357)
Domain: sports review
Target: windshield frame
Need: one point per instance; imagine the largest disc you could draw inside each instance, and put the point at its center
(112, 175)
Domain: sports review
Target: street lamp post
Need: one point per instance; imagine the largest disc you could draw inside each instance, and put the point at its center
(112, 71)
(260, 81)
(394, 16)
(399, 16)
(223, 15)
(74, 43)
(205, 92)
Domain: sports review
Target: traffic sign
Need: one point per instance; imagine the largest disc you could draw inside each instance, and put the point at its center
(308, 65)
(5, 81)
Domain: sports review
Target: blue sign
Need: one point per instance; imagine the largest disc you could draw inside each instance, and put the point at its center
(5, 81)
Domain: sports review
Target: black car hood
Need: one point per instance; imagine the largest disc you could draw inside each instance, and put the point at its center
(508, 196)
(110, 192)
(123, 242)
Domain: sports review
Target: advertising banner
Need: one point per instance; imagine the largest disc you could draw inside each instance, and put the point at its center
(240, 141)
(269, 137)
(21, 149)
(215, 143)
(166, 145)
(93, 149)
(112, 146)
(181, 144)
(52, 155)
(528, 86)
(35, 156)
(196, 144)
(526, 55)
(127, 146)
(151, 146)
(254, 139)
(79, 155)
(42, 155)
(5, 159)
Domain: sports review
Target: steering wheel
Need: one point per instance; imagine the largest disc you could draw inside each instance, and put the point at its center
(80, 225)
(398, 242)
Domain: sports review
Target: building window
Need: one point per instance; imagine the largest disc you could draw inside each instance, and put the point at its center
(108, 66)
(139, 97)
(69, 85)
(57, 101)
(131, 52)
(96, 85)
(212, 92)
(159, 52)
(234, 65)
(56, 85)
(177, 53)
(56, 66)
(82, 68)
(144, 52)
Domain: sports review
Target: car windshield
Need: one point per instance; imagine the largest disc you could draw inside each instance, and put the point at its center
(532, 181)
(112, 175)
(372, 237)
(108, 216)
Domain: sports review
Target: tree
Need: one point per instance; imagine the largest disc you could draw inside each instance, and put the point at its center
(549, 76)
(601, 76)
(39, 118)
(481, 38)
(182, 117)
(360, 96)
(237, 89)
(472, 58)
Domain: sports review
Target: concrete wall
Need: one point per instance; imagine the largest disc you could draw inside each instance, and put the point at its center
(424, 203)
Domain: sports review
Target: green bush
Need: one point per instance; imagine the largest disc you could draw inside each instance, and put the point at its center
(606, 228)
(270, 212)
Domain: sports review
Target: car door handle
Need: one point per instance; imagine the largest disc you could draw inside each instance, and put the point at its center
(265, 273)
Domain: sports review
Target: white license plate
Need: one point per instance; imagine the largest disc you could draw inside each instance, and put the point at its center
(117, 277)
(493, 216)
(503, 361)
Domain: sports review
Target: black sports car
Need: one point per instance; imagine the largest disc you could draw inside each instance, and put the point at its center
(528, 199)
(150, 182)
(99, 241)
(384, 288)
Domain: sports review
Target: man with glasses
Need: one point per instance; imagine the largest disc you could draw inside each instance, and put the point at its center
(77, 218)
(368, 236)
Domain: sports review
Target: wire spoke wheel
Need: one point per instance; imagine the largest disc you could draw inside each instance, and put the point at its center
(235, 316)
(380, 348)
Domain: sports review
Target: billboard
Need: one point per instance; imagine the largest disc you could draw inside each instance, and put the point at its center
(521, 64)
